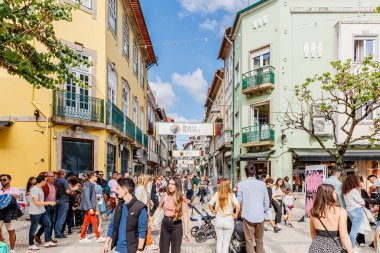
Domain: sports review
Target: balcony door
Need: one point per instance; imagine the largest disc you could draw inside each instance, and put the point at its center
(77, 98)
(260, 58)
(259, 128)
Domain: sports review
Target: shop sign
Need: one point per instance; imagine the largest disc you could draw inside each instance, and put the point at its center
(314, 176)
(199, 129)
(185, 162)
(186, 153)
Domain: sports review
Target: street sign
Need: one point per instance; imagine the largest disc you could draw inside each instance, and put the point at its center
(186, 153)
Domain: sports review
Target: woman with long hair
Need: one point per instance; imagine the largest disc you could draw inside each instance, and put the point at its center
(354, 204)
(32, 181)
(154, 195)
(175, 222)
(278, 194)
(328, 219)
(222, 205)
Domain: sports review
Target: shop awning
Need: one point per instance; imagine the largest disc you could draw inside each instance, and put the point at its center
(314, 155)
(257, 156)
(4, 123)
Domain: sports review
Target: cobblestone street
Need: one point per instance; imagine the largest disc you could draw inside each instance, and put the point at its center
(289, 240)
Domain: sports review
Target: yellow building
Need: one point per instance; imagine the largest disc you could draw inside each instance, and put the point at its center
(99, 128)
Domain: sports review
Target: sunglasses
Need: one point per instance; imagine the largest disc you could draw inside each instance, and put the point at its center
(4, 180)
(101, 175)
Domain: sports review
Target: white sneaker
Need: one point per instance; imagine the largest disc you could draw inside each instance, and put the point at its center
(100, 240)
(33, 247)
(50, 244)
(152, 247)
(85, 240)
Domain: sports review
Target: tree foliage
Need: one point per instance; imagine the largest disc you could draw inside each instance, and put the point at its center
(345, 99)
(29, 47)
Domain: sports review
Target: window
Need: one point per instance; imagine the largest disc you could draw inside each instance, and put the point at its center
(142, 118)
(135, 59)
(237, 74)
(135, 110)
(85, 3)
(112, 15)
(126, 92)
(364, 47)
(142, 70)
(125, 38)
(111, 160)
(260, 58)
(112, 85)
(77, 155)
(237, 123)
(361, 111)
(77, 95)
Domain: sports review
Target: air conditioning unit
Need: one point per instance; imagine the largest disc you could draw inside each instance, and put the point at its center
(322, 126)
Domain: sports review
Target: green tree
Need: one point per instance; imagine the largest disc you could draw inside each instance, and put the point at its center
(29, 47)
(344, 99)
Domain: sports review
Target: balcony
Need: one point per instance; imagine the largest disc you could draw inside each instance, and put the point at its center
(258, 81)
(224, 140)
(76, 109)
(258, 135)
(115, 117)
(145, 141)
(129, 128)
(153, 157)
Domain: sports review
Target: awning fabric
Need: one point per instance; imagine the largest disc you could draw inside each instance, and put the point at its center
(313, 155)
(257, 156)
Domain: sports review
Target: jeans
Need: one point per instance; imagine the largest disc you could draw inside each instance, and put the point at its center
(203, 193)
(254, 232)
(356, 215)
(62, 209)
(171, 235)
(224, 227)
(278, 209)
(35, 220)
(189, 194)
(50, 210)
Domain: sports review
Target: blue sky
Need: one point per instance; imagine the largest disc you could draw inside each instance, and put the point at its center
(186, 36)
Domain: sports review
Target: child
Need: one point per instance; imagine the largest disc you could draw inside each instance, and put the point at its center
(289, 205)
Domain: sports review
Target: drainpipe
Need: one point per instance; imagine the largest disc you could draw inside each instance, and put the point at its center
(233, 111)
(48, 130)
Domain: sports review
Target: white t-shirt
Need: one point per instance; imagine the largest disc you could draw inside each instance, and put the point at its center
(36, 192)
(228, 209)
(112, 184)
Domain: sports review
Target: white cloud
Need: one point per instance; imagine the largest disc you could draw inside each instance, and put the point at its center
(210, 6)
(194, 83)
(209, 25)
(181, 119)
(164, 92)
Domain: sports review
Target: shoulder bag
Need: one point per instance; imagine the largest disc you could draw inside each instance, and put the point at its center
(328, 232)
(159, 214)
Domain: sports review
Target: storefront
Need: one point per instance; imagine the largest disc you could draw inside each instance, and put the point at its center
(139, 162)
(261, 161)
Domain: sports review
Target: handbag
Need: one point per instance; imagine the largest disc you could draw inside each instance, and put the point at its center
(328, 232)
(369, 215)
(159, 215)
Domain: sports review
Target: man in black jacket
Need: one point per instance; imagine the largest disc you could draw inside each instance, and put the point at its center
(129, 222)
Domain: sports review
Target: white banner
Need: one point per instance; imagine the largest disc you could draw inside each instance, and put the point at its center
(207, 129)
(185, 162)
(186, 153)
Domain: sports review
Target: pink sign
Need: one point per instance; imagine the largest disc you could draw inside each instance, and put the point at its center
(314, 178)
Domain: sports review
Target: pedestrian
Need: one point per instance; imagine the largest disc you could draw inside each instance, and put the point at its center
(328, 223)
(253, 208)
(154, 195)
(225, 203)
(129, 222)
(38, 213)
(175, 222)
(76, 188)
(334, 180)
(354, 205)
(31, 182)
(278, 194)
(374, 181)
(8, 215)
(268, 214)
(203, 189)
(101, 206)
(289, 205)
(127, 175)
(189, 187)
(62, 199)
(88, 205)
(287, 184)
(49, 196)
(113, 196)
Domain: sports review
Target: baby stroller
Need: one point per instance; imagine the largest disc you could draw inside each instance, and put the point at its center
(237, 244)
(205, 230)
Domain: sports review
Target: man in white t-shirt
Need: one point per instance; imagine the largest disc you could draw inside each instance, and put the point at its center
(38, 213)
(113, 184)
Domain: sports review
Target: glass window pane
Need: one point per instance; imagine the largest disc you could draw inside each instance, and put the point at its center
(266, 59)
(111, 160)
(256, 62)
(369, 47)
(359, 50)
(77, 155)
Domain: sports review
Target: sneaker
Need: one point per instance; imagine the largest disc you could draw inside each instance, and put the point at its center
(33, 247)
(290, 225)
(371, 245)
(84, 240)
(277, 229)
(265, 229)
(54, 240)
(50, 244)
(37, 239)
(152, 247)
(100, 240)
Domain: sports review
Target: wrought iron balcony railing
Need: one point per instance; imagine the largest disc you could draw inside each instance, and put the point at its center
(77, 106)
(115, 117)
(258, 76)
(258, 133)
